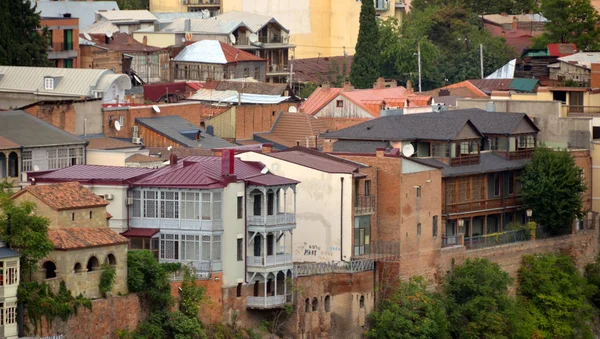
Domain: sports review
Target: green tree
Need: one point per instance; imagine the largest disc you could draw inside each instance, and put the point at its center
(411, 312)
(479, 305)
(592, 274)
(307, 90)
(570, 21)
(483, 7)
(23, 42)
(365, 63)
(552, 188)
(133, 4)
(556, 296)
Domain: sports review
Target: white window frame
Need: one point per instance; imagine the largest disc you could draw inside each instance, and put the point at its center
(48, 83)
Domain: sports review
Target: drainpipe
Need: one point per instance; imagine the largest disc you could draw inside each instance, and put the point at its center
(342, 219)
(245, 236)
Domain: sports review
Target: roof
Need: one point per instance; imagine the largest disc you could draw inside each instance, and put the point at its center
(7, 144)
(205, 172)
(443, 125)
(561, 50)
(142, 158)
(583, 59)
(163, 153)
(103, 143)
(172, 16)
(253, 87)
(26, 130)
(508, 19)
(182, 132)
(84, 10)
(91, 173)
(323, 162)
(519, 39)
(140, 15)
(74, 82)
(318, 99)
(122, 42)
(523, 85)
(290, 128)
(370, 99)
(214, 52)
(154, 92)
(78, 238)
(199, 26)
(140, 232)
(463, 89)
(233, 97)
(489, 162)
(316, 70)
(356, 146)
(64, 196)
(100, 27)
(490, 85)
(254, 21)
(6, 252)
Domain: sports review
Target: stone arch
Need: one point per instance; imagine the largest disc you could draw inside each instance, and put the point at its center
(327, 303)
(13, 165)
(307, 305)
(77, 268)
(93, 264)
(362, 301)
(111, 259)
(315, 304)
(50, 269)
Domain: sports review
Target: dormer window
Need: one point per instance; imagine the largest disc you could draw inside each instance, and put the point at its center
(48, 83)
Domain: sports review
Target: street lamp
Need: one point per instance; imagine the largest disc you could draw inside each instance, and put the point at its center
(529, 213)
(461, 224)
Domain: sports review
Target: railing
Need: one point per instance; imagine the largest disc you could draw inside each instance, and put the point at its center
(268, 302)
(353, 266)
(270, 260)
(272, 220)
(496, 239)
(60, 47)
(477, 205)
(465, 160)
(273, 39)
(382, 5)
(273, 68)
(452, 240)
(202, 2)
(364, 204)
(579, 109)
(242, 40)
(203, 269)
(521, 154)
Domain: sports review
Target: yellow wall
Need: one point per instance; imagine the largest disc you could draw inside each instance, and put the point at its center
(156, 39)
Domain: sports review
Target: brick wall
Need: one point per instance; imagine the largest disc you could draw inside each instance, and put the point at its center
(212, 309)
(61, 115)
(251, 119)
(102, 322)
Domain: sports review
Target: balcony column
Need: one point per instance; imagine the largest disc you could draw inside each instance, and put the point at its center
(264, 205)
(294, 190)
(265, 279)
(285, 203)
(275, 294)
(275, 250)
(285, 287)
(264, 249)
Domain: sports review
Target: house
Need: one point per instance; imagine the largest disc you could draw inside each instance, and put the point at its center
(479, 154)
(575, 67)
(293, 129)
(228, 218)
(30, 144)
(335, 199)
(101, 27)
(20, 86)
(63, 41)
(508, 22)
(82, 10)
(9, 283)
(109, 182)
(83, 242)
(76, 116)
(214, 60)
(176, 132)
(110, 151)
(128, 21)
(99, 57)
(146, 61)
(534, 63)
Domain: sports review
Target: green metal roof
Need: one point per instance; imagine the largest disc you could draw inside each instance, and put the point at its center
(523, 85)
(536, 53)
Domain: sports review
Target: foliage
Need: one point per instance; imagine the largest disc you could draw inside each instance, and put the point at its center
(365, 63)
(573, 21)
(411, 312)
(307, 90)
(28, 231)
(23, 42)
(556, 296)
(147, 276)
(483, 7)
(133, 4)
(107, 279)
(592, 274)
(552, 188)
(41, 301)
(192, 295)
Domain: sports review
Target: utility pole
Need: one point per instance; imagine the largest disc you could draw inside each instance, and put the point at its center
(481, 58)
(419, 59)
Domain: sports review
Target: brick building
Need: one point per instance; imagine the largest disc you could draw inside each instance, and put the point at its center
(63, 40)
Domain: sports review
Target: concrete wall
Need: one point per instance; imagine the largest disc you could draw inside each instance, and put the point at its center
(111, 157)
(9, 100)
(234, 228)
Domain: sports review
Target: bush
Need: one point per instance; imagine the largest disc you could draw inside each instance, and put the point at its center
(107, 279)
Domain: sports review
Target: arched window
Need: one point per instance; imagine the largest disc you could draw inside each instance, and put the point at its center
(77, 268)
(111, 260)
(2, 165)
(93, 264)
(307, 305)
(13, 165)
(362, 301)
(50, 268)
(327, 304)
(315, 304)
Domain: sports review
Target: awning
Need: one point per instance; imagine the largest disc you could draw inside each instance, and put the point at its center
(140, 232)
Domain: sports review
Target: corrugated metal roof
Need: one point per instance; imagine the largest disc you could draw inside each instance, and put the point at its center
(523, 85)
(319, 163)
(28, 131)
(211, 95)
(84, 10)
(206, 26)
(172, 16)
(100, 27)
(68, 81)
(318, 99)
(583, 59)
(172, 127)
(255, 21)
(364, 97)
(214, 52)
(128, 15)
(560, 50)
(85, 173)
(508, 19)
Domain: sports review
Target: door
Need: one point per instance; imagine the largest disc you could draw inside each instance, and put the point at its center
(257, 242)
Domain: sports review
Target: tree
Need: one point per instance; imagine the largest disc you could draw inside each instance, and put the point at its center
(483, 7)
(365, 63)
(411, 312)
(133, 4)
(23, 42)
(570, 21)
(552, 188)
(556, 295)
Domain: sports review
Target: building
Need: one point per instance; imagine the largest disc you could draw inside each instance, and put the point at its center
(534, 63)
(175, 131)
(76, 116)
(575, 67)
(99, 57)
(63, 40)
(85, 11)
(20, 86)
(321, 69)
(293, 129)
(110, 152)
(9, 282)
(214, 60)
(82, 240)
(212, 6)
(30, 144)
(509, 22)
(336, 200)
(128, 21)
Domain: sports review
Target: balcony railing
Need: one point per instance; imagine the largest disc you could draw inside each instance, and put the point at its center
(270, 260)
(278, 68)
(275, 301)
(364, 204)
(472, 159)
(525, 153)
(60, 47)
(272, 220)
(453, 240)
(497, 239)
(273, 39)
(201, 2)
(242, 41)
(477, 205)
(580, 109)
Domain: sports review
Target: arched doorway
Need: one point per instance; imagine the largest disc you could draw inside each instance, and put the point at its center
(13, 165)
(2, 165)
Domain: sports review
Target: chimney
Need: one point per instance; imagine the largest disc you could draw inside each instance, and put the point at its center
(187, 25)
(409, 87)
(327, 146)
(156, 26)
(325, 85)
(515, 23)
(595, 76)
(266, 148)
(145, 41)
(379, 84)
(380, 152)
(347, 87)
(173, 159)
(227, 160)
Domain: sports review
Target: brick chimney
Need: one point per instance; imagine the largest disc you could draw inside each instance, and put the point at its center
(145, 41)
(328, 146)
(266, 148)
(595, 76)
(347, 87)
(515, 23)
(379, 84)
(173, 159)
(380, 152)
(227, 162)
(325, 85)
(409, 87)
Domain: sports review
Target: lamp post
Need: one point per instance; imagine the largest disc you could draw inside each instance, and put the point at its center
(529, 213)
(461, 224)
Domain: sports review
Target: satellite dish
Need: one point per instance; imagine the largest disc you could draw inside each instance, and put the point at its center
(117, 125)
(408, 150)
(182, 39)
(109, 34)
(264, 170)
(156, 109)
(232, 38)
(36, 168)
(169, 148)
(253, 38)
(87, 36)
(292, 109)
(205, 13)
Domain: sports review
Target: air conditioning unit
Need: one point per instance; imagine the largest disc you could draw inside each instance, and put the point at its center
(108, 196)
(129, 201)
(136, 140)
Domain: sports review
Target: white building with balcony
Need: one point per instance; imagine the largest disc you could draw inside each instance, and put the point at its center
(9, 282)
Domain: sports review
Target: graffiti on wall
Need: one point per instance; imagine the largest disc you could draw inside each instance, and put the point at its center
(316, 251)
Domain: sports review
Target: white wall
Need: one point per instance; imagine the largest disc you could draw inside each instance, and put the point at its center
(233, 228)
(117, 207)
(111, 157)
(317, 237)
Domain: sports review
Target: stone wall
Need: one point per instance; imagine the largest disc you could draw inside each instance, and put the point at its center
(106, 317)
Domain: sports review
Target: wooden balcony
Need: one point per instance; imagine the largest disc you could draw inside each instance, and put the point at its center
(268, 302)
(364, 204)
(519, 154)
(487, 204)
(463, 160)
(270, 260)
(272, 220)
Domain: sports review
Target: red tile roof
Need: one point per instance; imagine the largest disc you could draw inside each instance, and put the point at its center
(318, 99)
(78, 238)
(233, 54)
(64, 196)
(463, 89)
(316, 70)
(122, 42)
(7, 144)
(92, 173)
(140, 232)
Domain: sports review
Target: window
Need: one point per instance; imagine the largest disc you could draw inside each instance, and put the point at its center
(216, 203)
(12, 275)
(327, 304)
(511, 182)
(190, 205)
(169, 207)
(238, 291)
(496, 185)
(72, 216)
(190, 247)
(526, 141)
(465, 148)
(362, 301)
(206, 248)
(256, 289)
(339, 103)
(362, 233)
(216, 247)
(48, 83)
(205, 206)
(493, 143)
(11, 315)
(315, 304)
(68, 39)
(121, 120)
(77, 268)
(136, 210)
(257, 73)
(246, 72)
(307, 305)
(367, 188)
(240, 250)
(418, 191)
(269, 286)
(169, 246)
(257, 203)
(270, 244)
(435, 226)
(270, 202)
(240, 207)
(150, 204)
(419, 229)
(90, 214)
